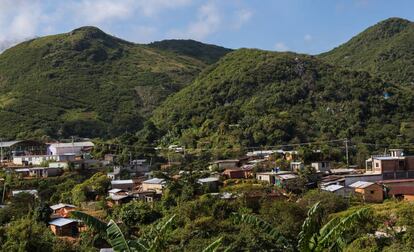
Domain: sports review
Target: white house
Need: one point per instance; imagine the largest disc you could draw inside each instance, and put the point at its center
(154, 184)
(322, 166)
(39, 159)
(296, 166)
(73, 148)
(336, 189)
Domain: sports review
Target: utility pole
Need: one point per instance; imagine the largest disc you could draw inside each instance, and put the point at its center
(1, 147)
(347, 154)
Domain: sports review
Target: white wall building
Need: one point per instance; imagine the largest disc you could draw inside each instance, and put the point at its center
(39, 159)
(64, 148)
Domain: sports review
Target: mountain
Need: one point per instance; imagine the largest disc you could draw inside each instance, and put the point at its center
(261, 98)
(205, 52)
(86, 83)
(385, 49)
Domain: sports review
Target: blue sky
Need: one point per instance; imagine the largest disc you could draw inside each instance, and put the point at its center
(307, 26)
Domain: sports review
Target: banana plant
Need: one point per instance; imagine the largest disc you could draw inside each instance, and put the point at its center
(153, 242)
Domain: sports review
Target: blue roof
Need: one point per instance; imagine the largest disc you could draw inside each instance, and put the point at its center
(62, 222)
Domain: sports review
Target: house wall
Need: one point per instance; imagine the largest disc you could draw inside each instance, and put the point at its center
(126, 187)
(409, 197)
(372, 194)
(234, 174)
(152, 187)
(227, 165)
(67, 230)
(265, 177)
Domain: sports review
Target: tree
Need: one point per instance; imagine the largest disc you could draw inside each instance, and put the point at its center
(28, 235)
(42, 213)
(136, 213)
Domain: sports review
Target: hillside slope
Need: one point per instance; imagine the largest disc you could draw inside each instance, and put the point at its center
(385, 49)
(254, 97)
(85, 83)
(204, 52)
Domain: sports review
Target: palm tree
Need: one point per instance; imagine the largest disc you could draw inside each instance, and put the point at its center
(315, 237)
(153, 242)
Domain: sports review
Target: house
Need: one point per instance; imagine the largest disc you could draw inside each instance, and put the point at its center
(22, 172)
(32, 192)
(118, 199)
(336, 189)
(225, 164)
(126, 184)
(39, 159)
(286, 180)
(210, 183)
(62, 164)
(399, 188)
(370, 192)
(322, 166)
(402, 192)
(296, 166)
(44, 172)
(64, 227)
(281, 179)
(116, 174)
(117, 191)
(154, 184)
(138, 166)
(238, 173)
(332, 180)
(22, 147)
(72, 148)
(352, 178)
(392, 166)
(62, 209)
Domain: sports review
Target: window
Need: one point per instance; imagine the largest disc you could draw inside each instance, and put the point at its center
(372, 192)
(377, 165)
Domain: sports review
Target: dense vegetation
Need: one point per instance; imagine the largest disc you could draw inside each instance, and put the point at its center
(204, 52)
(261, 98)
(85, 83)
(385, 50)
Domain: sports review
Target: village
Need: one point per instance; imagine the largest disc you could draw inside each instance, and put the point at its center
(386, 176)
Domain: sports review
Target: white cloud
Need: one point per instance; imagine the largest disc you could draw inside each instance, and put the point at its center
(280, 46)
(242, 16)
(152, 7)
(19, 20)
(208, 21)
(308, 38)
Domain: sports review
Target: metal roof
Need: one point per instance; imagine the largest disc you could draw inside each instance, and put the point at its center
(122, 182)
(115, 190)
(208, 180)
(74, 144)
(154, 181)
(61, 205)
(332, 188)
(287, 176)
(15, 192)
(62, 222)
(118, 197)
(22, 170)
(361, 184)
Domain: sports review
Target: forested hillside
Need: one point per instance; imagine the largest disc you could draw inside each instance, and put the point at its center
(385, 50)
(85, 83)
(253, 97)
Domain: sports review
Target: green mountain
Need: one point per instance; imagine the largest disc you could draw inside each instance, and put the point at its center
(385, 49)
(261, 98)
(86, 83)
(207, 53)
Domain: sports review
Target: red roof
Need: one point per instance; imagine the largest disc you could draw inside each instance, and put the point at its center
(403, 190)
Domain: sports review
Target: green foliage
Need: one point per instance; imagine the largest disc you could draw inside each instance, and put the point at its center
(261, 98)
(85, 83)
(27, 235)
(136, 213)
(384, 50)
(204, 52)
(95, 186)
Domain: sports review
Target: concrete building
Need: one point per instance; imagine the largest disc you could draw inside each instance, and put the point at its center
(322, 166)
(226, 164)
(40, 159)
(336, 189)
(154, 184)
(296, 166)
(72, 148)
(392, 166)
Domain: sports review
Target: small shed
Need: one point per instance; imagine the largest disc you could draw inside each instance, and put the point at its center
(62, 209)
(154, 184)
(212, 183)
(370, 191)
(64, 227)
(336, 189)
